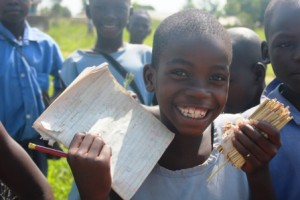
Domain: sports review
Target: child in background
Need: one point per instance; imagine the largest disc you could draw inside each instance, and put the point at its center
(110, 17)
(28, 57)
(20, 173)
(282, 50)
(189, 74)
(90, 25)
(247, 72)
(139, 26)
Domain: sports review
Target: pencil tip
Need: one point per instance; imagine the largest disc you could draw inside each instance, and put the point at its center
(31, 145)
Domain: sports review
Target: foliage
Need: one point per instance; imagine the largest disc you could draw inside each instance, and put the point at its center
(71, 34)
(250, 12)
(136, 5)
(189, 4)
(56, 11)
(59, 11)
(212, 6)
(60, 178)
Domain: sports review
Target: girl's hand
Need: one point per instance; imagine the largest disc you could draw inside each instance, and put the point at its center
(89, 160)
(258, 143)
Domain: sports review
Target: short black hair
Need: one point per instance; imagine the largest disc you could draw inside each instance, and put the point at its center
(141, 12)
(247, 40)
(273, 7)
(188, 23)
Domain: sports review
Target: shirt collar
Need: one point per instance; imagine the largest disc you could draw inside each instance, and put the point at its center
(6, 33)
(294, 112)
(27, 35)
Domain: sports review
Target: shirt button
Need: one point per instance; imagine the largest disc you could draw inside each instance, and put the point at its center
(28, 116)
(22, 75)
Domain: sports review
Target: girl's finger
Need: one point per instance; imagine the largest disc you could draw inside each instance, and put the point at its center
(271, 132)
(105, 154)
(251, 162)
(76, 142)
(265, 145)
(251, 147)
(96, 147)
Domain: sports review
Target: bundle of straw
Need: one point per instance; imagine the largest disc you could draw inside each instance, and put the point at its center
(270, 111)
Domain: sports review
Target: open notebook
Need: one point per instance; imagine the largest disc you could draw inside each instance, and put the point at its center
(96, 103)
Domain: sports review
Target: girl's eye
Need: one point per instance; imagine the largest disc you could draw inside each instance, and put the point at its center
(284, 44)
(180, 74)
(121, 9)
(218, 77)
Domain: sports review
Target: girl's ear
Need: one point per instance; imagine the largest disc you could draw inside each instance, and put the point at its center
(265, 53)
(260, 71)
(130, 13)
(149, 74)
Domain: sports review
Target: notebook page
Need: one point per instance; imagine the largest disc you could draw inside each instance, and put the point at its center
(98, 104)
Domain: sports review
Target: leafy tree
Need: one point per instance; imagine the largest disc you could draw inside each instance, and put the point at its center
(250, 12)
(33, 7)
(189, 4)
(59, 11)
(212, 6)
(136, 5)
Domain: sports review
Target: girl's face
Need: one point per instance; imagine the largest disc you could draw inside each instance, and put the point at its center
(139, 27)
(110, 16)
(191, 84)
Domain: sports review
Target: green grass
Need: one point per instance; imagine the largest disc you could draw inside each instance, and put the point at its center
(60, 178)
(71, 35)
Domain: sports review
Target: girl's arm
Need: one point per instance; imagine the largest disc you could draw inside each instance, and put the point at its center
(19, 172)
(258, 150)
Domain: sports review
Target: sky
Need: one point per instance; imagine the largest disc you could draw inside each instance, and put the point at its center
(164, 6)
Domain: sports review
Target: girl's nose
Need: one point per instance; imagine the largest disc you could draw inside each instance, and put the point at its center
(296, 53)
(198, 90)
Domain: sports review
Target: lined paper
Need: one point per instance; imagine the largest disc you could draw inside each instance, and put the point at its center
(96, 103)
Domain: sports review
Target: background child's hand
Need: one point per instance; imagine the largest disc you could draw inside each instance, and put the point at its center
(257, 149)
(89, 160)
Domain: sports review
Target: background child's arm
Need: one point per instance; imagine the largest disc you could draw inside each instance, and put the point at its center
(89, 160)
(258, 151)
(15, 162)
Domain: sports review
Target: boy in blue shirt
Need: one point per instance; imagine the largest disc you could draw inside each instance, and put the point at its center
(282, 50)
(28, 57)
(189, 74)
(110, 17)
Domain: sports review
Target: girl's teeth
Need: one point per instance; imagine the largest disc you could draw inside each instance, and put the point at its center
(192, 113)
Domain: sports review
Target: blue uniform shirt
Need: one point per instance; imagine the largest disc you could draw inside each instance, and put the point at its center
(285, 166)
(132, 57)
(271, 86)
(24, 71)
